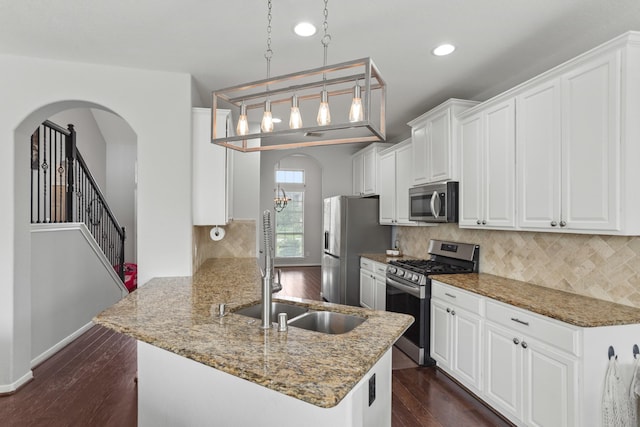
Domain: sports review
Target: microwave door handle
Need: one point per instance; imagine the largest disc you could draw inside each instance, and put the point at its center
(435, 197)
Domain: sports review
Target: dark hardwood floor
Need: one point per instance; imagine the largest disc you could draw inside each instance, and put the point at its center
(91, 382)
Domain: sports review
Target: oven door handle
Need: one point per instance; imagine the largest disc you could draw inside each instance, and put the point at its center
(411, 290)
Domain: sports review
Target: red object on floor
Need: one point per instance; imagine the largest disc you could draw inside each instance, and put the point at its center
(130, 275)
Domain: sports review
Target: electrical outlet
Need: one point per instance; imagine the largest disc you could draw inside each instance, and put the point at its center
(372, 389)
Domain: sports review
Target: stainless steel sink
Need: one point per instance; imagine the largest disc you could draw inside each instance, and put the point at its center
(327, 322)
(255, 311)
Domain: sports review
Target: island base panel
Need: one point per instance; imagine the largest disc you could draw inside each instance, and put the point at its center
(174, 390)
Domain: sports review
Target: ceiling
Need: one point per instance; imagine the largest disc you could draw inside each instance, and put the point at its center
(222, 43)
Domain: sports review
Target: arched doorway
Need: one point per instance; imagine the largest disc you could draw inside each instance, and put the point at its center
(99, 121)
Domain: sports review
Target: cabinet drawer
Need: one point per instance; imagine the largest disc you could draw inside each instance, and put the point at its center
(535, 326)
(367, 264)
(380, 269)
(459, 297)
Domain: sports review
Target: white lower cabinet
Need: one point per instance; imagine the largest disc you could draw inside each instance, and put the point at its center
(455, 334)
(529, 381)
(534, 370)
(372, 284)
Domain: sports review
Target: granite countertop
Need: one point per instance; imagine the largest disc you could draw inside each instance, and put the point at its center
(385, 259)
(574, 309)
(179, 314)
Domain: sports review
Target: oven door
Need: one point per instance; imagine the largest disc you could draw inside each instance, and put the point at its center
(411, 300)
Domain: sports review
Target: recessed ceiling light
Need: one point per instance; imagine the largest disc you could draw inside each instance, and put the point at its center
(304, 29)
(443, 49)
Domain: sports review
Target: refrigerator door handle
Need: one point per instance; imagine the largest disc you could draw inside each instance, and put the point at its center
(326, 240)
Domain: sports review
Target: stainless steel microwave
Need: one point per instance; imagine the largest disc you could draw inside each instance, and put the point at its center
(437, 202)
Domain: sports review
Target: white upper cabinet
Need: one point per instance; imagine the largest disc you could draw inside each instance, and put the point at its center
(209, 180)
(576, 133)
(568, 149)
(365, 170)
(487, 176)
(434, 149)
(395, 179)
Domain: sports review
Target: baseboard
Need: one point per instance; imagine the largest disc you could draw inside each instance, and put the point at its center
(57, 347)
(7, 389)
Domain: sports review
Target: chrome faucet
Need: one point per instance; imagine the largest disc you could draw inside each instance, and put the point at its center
(268, 272)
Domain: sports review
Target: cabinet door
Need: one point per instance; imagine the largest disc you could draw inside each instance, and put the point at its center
(503, 370)
(439, 147)
(209, 169)
(550, 389)
(440, 334)
(538, 148)
(471, 171)
(381, 293)
(404, 180)
(419, 143)
(358, 174)
(499, 165)
(467, 348)
(367, 291)
(370, 163)
(388, 188)
(590, 134)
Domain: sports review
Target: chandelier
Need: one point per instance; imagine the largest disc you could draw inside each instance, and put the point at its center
(333, 104)
(280, 200)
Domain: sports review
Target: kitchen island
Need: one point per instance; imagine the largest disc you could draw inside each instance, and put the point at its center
(195, 365)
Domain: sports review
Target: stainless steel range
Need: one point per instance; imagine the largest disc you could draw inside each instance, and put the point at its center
(409, 290)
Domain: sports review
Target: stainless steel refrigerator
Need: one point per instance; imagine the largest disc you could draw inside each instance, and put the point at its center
(351, 228)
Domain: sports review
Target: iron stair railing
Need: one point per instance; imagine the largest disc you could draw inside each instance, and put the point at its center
(64, 190)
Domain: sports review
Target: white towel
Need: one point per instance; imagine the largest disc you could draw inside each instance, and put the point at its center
(634, 391)
(616, 406)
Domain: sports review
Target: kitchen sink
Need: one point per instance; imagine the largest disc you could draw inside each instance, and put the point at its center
(255, 311)
(327, 322)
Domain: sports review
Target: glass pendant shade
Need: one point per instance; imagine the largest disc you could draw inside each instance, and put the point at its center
(267, 118)
(324, 115)
(295, 119)
(356, 112)
(243, 123)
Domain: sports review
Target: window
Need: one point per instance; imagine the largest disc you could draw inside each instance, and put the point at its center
(290, 221)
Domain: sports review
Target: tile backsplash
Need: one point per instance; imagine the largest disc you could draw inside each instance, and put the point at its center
(239, 242)
(604, 267)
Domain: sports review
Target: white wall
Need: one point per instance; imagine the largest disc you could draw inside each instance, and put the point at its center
(68, 288)
(121, 190)
(336, 179)
(89, 141)
(157, 105)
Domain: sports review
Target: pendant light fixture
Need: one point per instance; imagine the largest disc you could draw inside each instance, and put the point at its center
(356, 113)
(303, 94)
(324, 114)
(267, 117)
(295, 119)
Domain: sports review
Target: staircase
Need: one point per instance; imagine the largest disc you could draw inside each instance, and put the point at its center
(64, 191)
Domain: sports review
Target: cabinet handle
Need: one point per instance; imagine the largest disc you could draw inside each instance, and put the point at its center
(478, 222)
(553, 223)
(453, 312)
(524, 344)
(484, 222)
(516, 341)
(449, 295)
(448, 310)
(563, 223)
(522, 322)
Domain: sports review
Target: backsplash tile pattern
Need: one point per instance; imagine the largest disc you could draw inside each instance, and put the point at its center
(239, 242)
(604, 267)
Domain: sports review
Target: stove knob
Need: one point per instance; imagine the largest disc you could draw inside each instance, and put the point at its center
(401, 273)
(392, 270)
(414, 278)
